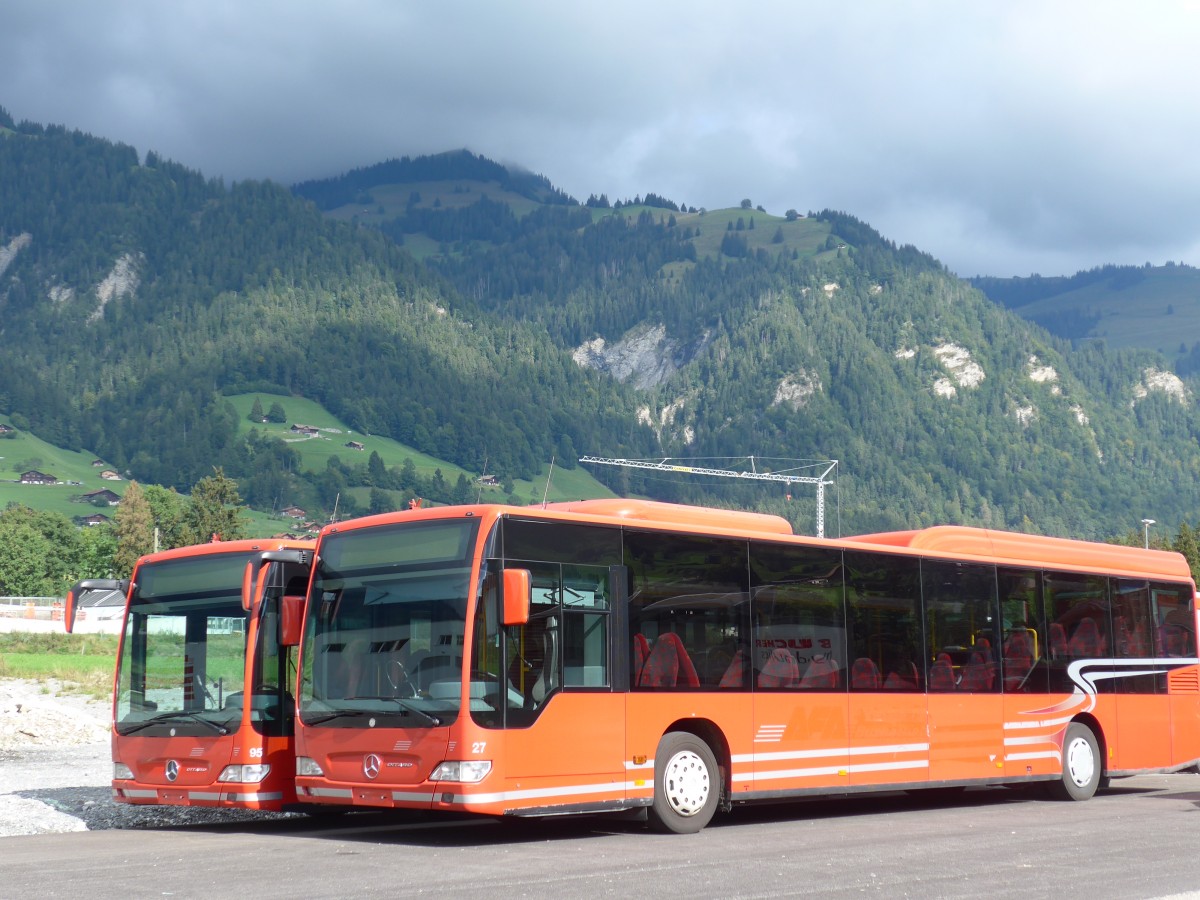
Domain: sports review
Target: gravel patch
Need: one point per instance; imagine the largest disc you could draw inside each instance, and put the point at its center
(56, 768)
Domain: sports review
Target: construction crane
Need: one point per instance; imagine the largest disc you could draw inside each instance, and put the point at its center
(786, 477)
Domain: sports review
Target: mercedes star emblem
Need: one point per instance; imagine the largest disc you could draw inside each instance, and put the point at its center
(371, 765)
(172, 770)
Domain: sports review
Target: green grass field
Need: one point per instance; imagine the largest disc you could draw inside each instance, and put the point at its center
(565, 484)
(1159, 312)
(83, 662)
(77, 475)
(74, 471)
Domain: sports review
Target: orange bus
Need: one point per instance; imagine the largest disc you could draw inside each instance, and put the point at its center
(617, 654)
(203, 711)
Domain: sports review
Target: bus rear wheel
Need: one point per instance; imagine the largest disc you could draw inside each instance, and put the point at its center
(686, 784)
(1081, 765)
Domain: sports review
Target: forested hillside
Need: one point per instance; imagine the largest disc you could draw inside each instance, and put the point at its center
(134, 297)
(481, 316)
(1154, 307)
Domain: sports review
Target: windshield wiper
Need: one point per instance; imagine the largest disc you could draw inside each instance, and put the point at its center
(407, 707)
(415, 710)
(337, 714)
(178, 714)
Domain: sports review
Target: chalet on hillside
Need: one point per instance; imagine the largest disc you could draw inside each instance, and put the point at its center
(93, 520)
(293, 512)
(33, 476)
(104, 494)
(110, 475)
(6, 429)
(488, 479)
(97, 463)
(306, 430)
(355, 445)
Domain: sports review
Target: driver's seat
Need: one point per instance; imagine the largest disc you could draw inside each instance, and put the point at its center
(547, 680)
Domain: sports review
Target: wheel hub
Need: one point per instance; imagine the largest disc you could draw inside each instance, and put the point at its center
(687, 784)
(1081, 765)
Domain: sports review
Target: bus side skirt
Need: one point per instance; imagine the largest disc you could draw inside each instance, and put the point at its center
(577, 809)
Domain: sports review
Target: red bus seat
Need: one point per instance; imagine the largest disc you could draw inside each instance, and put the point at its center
(735, 674)
(641, 652)
(780, 670)
(821, 675)
(904, 678)
(941, 674)
(1058, 641)
(1087, 640)
(977, 675)
(864, 675)
(1018, 659)
(669, 664)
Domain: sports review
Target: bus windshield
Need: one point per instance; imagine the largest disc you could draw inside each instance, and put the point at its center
(386, 625)
(183, 656)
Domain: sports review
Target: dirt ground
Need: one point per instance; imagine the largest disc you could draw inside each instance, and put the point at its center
(56, 767)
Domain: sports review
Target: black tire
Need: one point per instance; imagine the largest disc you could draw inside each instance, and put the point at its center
(687, 784)
(1082, 766)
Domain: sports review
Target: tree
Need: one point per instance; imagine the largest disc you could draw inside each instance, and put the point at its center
(377, 474)
(47, 565)
(462, 490)
(256, 411)
(276, 413)
(169, 512)
(1187, 543)
(23, 562)
(134, 525)
(97, 553)
(746, 204)
(381, 502)
(215, 509)
(791, 215)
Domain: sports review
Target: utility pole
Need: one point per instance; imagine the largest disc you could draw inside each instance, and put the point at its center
(786, 477)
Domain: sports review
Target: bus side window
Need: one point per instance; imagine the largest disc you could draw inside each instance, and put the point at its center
(1175, 615)
(799, 619)
(585, 626)
(690, 607)
(962, 633)
(1024, 652)
(883, 599)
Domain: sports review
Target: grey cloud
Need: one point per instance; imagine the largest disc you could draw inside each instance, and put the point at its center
(1002, 137)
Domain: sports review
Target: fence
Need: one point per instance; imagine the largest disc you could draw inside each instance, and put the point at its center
(45, 614)
(30, 607)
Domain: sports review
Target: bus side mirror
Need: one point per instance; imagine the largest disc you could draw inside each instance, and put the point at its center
(253, 583)
(291, 620)
(254, 577)
(75, 594)
(517, 587)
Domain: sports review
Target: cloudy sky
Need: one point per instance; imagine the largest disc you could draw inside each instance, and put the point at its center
(1004, 137)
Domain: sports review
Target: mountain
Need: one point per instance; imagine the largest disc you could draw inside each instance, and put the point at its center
(1156, 307)
(480, 315)
(135, 296)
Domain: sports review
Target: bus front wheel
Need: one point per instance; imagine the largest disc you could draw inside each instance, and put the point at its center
(1081, 764)
(686, 784)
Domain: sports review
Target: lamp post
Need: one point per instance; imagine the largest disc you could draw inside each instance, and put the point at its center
(1146, 523)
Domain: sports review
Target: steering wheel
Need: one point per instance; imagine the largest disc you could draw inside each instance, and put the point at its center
(199, 682)
(397, 675)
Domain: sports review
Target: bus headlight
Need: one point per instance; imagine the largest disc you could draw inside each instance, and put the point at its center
(467, 771)
(250, 774)
(122, 772)
(307, 766)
